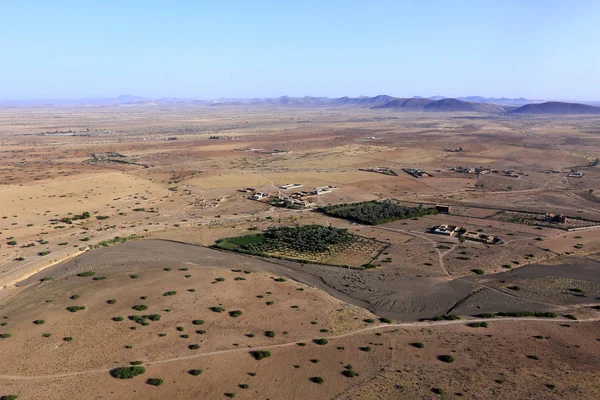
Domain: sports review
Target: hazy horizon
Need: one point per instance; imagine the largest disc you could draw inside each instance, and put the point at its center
(71, 50)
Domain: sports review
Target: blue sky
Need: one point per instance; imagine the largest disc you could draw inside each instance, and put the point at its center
(209, 49)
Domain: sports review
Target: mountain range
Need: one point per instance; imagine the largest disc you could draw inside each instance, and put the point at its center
(477, 104)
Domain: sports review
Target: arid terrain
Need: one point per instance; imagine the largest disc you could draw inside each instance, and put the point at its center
(110, 216)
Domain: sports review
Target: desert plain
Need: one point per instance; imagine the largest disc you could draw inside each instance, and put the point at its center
(111, 216)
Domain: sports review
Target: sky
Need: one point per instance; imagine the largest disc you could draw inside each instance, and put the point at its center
(538, 49)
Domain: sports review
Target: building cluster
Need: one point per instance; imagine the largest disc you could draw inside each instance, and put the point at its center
(482, 171)
(417, 173)
(262, 151)
(300, 199)
(453, 230)
(556, 218)
(214, 137)
(380, 170)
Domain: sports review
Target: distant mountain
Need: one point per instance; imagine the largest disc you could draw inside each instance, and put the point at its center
(443, 105)
(503, 100)
(417, 103)
(364, 101)
(557, 108)
(412, 104)
(455, 105)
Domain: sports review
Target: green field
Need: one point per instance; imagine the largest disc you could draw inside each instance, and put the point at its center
(308, 243)
(375, 212)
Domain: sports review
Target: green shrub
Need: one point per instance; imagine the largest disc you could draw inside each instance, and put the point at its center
(446, 358)
(570, 316)
(418, 345)
(369, 320)
(320, 341)
(349, 373)
(111, 301)
(75, 308)
(198, 322)
(86, 274)
(270, 334)
(170, 293)
(533, 357)
(231, 395)
(9, 397)
(68, 339)
(478, 325)
(235, 313)
(39, 322)
(180, 328)
(194, 346)
(260, 354)
(136, 362)
(74, 297)
(117, 319)
(385, 320)
(46, 335)
(365, 348)
(5, 335)
(316, 379)
(217, 309)
(279, 279)
(478, 271)
(98, 278)
(195, 372)
(140, 307)
(134, 276)
(152, 317)
(201, 332)
(514, 287)
(154, 381)
(127, 372)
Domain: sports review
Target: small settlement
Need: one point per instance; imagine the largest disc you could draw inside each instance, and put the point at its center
(452, 230)
(482, 171)
(301, 199)
(380, 170)
(415, 172)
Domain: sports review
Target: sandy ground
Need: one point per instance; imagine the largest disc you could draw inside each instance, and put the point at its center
(386, 292)
(187, 190)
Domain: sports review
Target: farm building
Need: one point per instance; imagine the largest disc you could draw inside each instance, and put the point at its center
(259, 196)
(448, 230)
(442, 209)
(480, 237)
(290, 186)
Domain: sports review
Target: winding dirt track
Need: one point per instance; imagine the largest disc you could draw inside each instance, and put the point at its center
(480, 285)
(274, 346)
